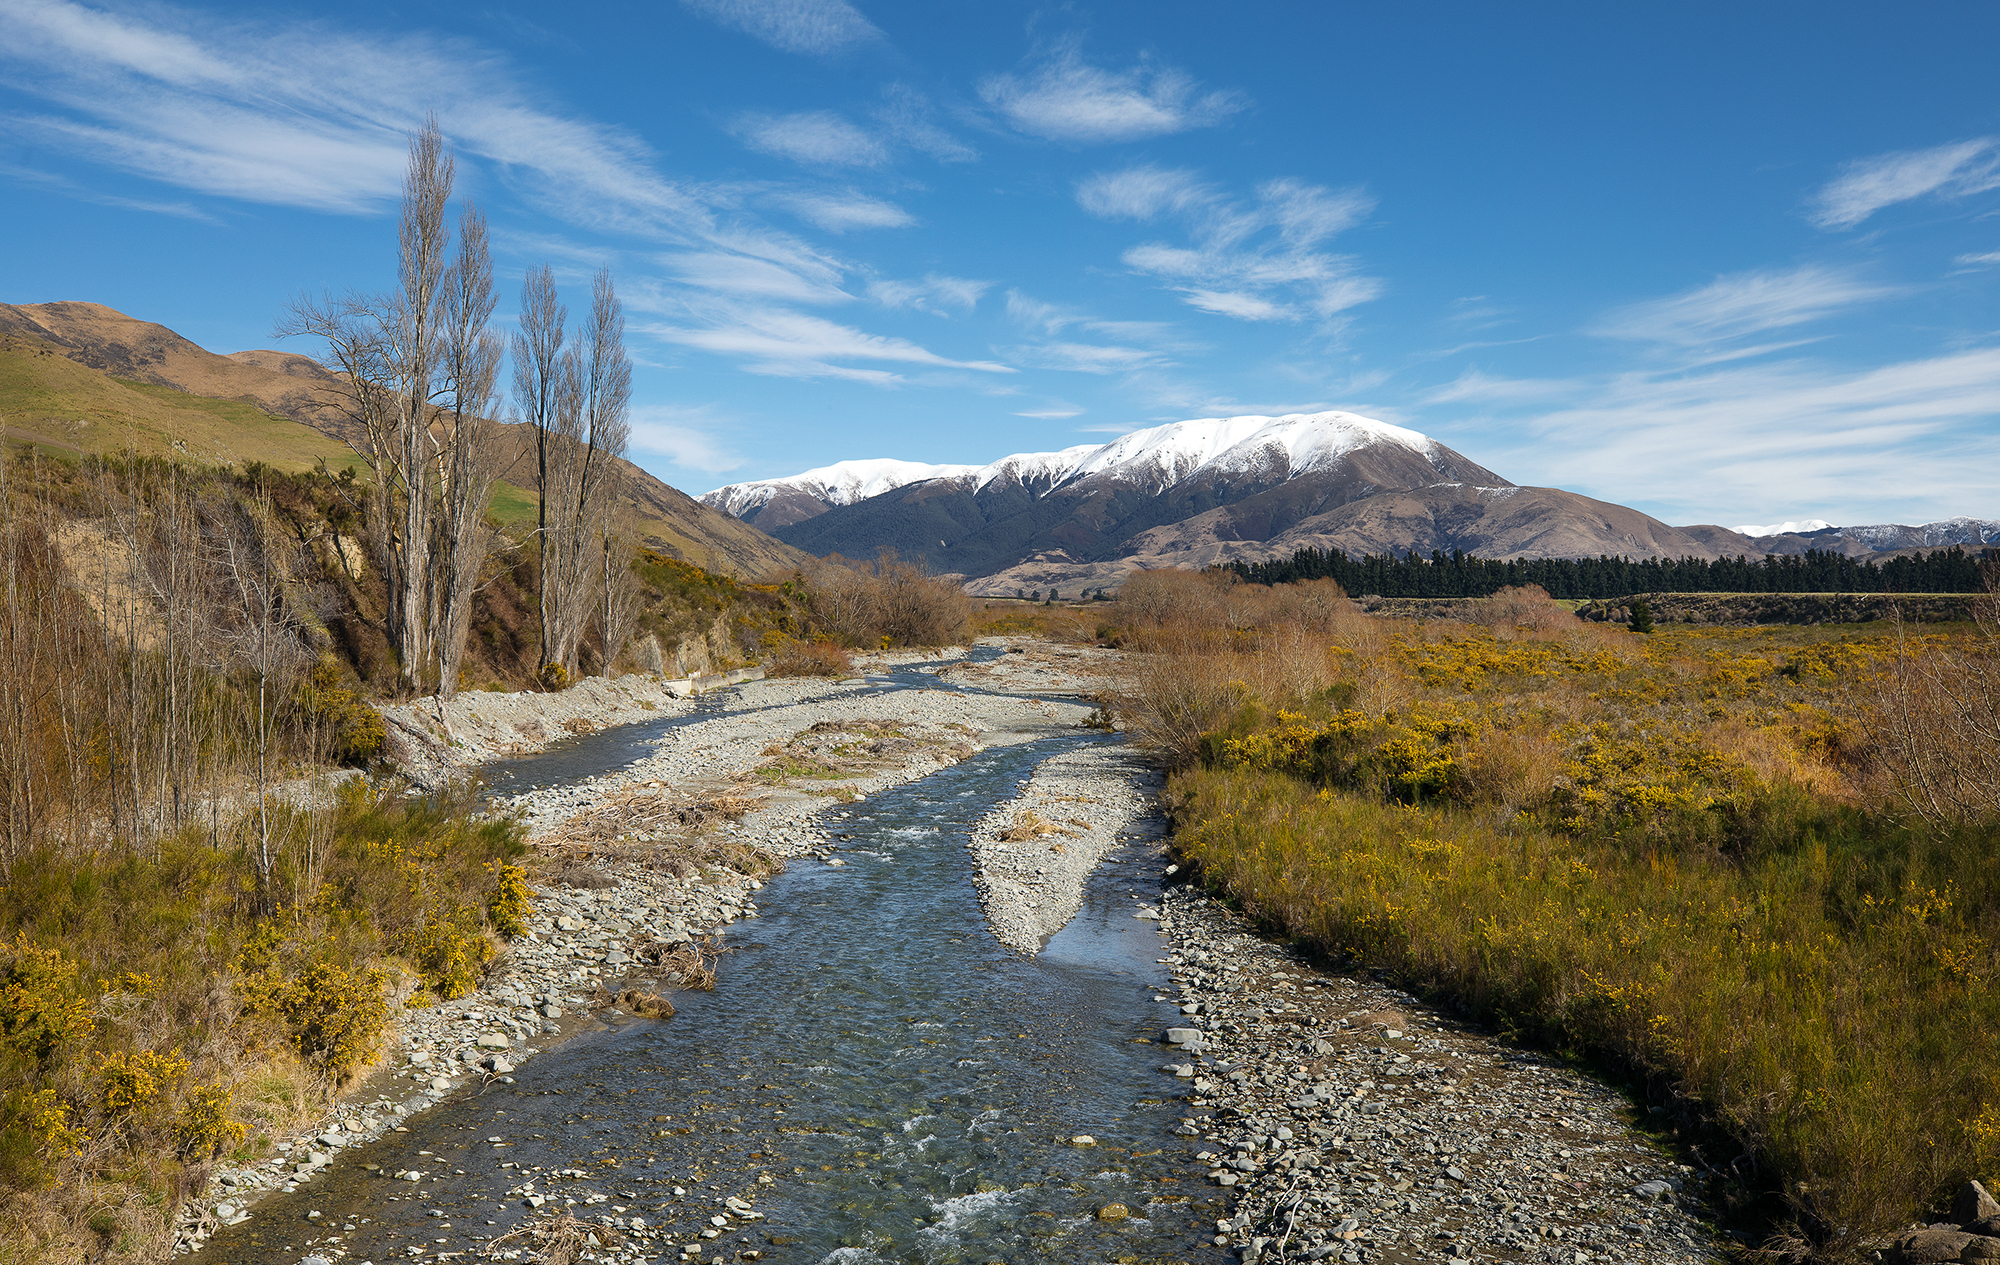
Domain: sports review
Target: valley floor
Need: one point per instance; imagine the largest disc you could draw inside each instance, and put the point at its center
(1342, 1119)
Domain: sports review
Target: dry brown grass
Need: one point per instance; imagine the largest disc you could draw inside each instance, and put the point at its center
(1752, 866)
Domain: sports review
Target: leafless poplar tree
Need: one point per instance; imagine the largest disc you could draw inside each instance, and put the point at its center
(417, 368)
(576, 401)
(618, 593)
(467, 448)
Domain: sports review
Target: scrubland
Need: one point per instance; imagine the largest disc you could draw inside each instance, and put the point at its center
(1752, 869)
(202, 936)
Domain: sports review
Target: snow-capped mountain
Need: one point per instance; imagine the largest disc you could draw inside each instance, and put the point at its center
(1873, 538)
(1084, 503)
(1157, 459)
(1213, 489)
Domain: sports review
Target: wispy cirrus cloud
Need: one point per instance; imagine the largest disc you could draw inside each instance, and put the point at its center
(1741, 306)
(1053, 412)
(936, 294)
(1867, 185)
(306, 116)
(682, 435)
(1063, 97)
(782, 342)
(845, 212)
(817, 27)
(816, 138)
(1263, 259)
(1909, 441)
(1094, 358)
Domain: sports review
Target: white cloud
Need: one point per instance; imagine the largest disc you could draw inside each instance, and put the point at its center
(1052, 413)
(1742, 305)
(1066, 98)
(1086, 357)
(793, 26)
(1869, 445)
(762, 278)
(307, 116)
(1478, 387)
(1984, 260)
(906, 113)
(776, 340)
(1244, 307)
(680, 435)
(1140, 193)
(817, 138)
(1262, 260)
(845, 212)
(1050, 318)
(933, 294)
(1867, 185)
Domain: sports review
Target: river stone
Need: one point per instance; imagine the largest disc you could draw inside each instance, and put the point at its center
(1973, 1204)
(1181, 1036)
(440, 1083)
(1653, 1190)
(419, 1057)
(1113, 1212)
(1929, 1247)
(1083, 1139)
(493, 1041)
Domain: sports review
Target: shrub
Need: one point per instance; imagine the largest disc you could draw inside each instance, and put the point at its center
(448, 950)
(202, 1128)
(40, 1010)
(809, 658)
(349, 730)
(134, 1087)
(510, 906)
(335, 1017)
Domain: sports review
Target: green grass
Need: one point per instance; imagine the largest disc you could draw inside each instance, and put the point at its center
(54, 403)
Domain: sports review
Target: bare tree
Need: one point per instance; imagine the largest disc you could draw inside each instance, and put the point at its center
(576, 401)
(467, 458)
(416, 370)
(619, 597)
(539, 366)
(264, 621)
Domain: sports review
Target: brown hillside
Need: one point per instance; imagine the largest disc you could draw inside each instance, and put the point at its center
(133, 358)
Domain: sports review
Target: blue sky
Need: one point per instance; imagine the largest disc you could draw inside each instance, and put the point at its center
(1724, 263)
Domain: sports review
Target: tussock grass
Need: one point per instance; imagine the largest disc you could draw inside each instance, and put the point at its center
(1705, 856)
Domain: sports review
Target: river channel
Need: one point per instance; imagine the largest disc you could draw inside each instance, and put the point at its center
(874, 1072)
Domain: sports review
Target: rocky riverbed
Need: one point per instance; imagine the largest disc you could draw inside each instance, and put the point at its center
(1354, 1123)
(1329, 1116)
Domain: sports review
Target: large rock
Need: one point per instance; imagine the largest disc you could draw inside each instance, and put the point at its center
(1932, 1247)
(1982, 1248)
(1973, 1204)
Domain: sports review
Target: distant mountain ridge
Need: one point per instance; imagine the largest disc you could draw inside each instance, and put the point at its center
(1187, 493)
(295, 387)
(1214, 490)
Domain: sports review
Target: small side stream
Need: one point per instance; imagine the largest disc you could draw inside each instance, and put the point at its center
(908, 1085)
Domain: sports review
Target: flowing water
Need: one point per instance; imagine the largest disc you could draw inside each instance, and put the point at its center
(909, 1085)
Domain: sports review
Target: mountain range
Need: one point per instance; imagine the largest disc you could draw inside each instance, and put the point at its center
(85, 377)
(1211, 490)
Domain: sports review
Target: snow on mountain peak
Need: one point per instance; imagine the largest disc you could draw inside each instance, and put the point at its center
(1801, 527)
(1162, 456)
(842, 483)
